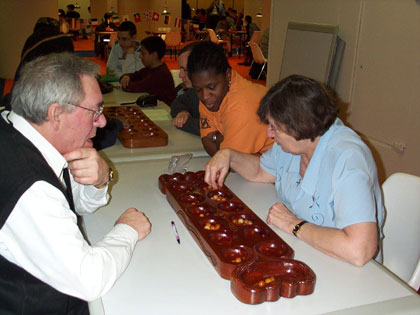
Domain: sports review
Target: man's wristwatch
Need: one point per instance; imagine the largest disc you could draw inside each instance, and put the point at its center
(110, 175)
(297, 227)
(110, 178)
(214, 138)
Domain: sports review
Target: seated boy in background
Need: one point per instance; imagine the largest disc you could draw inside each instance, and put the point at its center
(155, 78)
(124, 57)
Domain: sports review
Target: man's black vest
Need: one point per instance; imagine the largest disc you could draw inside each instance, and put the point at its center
(21, 165)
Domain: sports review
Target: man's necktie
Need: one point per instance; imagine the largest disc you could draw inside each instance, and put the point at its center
(67, 181)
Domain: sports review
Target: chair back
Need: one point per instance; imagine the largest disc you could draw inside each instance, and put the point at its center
(256, 37)
(213, 36)
(401, 243)
(173, 39)
(257, 53)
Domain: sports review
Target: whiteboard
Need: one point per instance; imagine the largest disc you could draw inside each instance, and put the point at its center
(309, 50)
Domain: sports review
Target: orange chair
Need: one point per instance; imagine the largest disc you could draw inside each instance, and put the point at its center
(173, 41)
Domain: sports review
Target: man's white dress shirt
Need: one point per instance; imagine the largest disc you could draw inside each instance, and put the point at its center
(41, 234)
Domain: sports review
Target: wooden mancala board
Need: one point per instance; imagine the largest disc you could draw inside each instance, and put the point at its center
(139, 131)
(241, 247)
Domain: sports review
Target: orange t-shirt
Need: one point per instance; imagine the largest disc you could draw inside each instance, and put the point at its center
(237, 118)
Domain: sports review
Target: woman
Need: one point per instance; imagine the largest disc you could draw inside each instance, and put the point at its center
(228, 103)
(325, 176)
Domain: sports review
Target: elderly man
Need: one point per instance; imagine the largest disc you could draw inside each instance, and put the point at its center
(50, 176)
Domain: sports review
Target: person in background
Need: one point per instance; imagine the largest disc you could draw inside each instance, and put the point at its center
(214, 12)
(202, 18)
(71, 13)
(50, 176)
(265, 36)
(64, 25)
(222, 29)
(184, 109)
(186, 16)
(217, 7)
(45, 39)
(155, 78)
(106, 26)
(228, 103)
(229, 17)
(325, 176)
(124, 57)
(186, 10)
(250, 28)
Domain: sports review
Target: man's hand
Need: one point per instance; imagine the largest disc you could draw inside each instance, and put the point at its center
(124, 81)
(129, 50)
(281, 217)
(87, 167)
(137, 220)
(181, 118)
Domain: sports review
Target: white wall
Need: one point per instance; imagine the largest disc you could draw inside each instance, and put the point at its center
(18, 18)
(379, 76)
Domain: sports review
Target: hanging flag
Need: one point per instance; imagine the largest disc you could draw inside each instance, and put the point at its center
(94, 22)
(147, 15)
(155, 16)
(125, 18)
(137, 17)
(167, 19)
(178, 22)
(116, 20)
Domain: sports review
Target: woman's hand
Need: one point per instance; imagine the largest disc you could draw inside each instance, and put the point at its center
(217, 168)
(282, 217)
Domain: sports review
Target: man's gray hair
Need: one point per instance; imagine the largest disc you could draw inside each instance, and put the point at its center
(54, 78)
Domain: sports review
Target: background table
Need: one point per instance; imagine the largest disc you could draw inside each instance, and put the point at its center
(179, 142)
(165, 277)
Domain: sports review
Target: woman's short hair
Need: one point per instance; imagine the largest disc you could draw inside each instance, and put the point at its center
(207, 56)
(301, 104)
(54, 78)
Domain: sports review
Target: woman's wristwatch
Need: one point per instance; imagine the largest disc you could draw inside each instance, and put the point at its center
(297, 227)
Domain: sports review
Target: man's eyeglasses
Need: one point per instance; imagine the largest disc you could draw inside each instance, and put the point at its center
(96, 113)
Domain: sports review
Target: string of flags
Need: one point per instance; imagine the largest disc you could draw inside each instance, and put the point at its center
(137, 17)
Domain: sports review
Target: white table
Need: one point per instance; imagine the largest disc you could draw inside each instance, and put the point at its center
(179, 142)
(167, 278)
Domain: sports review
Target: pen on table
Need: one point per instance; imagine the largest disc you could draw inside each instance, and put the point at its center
(128, 103)
(175, 232)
